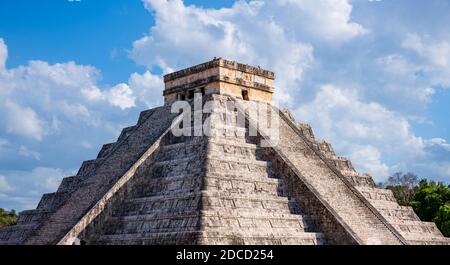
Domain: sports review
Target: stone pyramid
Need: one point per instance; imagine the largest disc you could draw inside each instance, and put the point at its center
(239, 183)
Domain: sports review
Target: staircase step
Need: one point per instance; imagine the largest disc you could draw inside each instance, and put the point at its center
(168, 185)
(223, 213)
(126, 132)
(160, 223)
(168, 238)
(218, 237)
(140, 208)
(196, 146)
(272, 187)
(14, 235)
(263, 233)
(87, 167)
(213, 194)
(212, 200)
(51, 201)
(358, 179)
(423, 229)
(144, 115)
(399, 213)
(417, 240)
(236, 165)
(260, 177)
(106, 150)
(376, 194)
(69, 184)
(342, 163)
(232, 149)
(193, 182)
(174, 167)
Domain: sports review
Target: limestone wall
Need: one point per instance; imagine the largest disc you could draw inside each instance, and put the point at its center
(151, 187)
(359, 220)
(204, 190)
(221, 77)
(401, 218)
(60, 211)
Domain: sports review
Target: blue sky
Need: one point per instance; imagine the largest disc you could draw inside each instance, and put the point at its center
(372, 77)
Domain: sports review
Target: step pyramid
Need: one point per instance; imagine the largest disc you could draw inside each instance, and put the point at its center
(239, 183)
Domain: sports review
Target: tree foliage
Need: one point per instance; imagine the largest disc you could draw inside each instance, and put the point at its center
(429, 199)
(442, 219)
(403, 186)
(7, 218)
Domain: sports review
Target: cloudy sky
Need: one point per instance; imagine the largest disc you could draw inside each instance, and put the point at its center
(371, 76)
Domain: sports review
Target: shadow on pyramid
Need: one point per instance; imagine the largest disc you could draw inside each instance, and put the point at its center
(230, 168)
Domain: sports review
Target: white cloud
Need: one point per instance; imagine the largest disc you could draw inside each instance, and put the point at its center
(265, 33)
(75, 110)
(86, 144)
(148, 88)
(292, 37)
(23, 121)
(42, 178)
(4, 148)
(44, 84)
(29, 186)
(399, 80)
(435, 55)
(42, 99)
(437, 142)
(295, 38)
(436, 52)
(364, 131)
(414, 42)
(368, 159)
(52, 177)
(121, 96)
(3, 143)
(67, 75)
(3, 54)
(328, 20)
(437, 170)
(4, 185)
(397, 64)
(24, 151)
(92, 93)
(17, 203)
(44, 92)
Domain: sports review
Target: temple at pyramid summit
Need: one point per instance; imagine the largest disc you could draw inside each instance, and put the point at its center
(235, 182)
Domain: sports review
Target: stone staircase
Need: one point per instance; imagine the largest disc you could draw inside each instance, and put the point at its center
(57, 211)
(151, 187)
(209, 190)
(315, 181)
(249, 199)
(402, 218)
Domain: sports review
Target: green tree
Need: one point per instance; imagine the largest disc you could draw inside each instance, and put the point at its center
(428, 198)
(403, 186)
(7, 218)
(442, 220)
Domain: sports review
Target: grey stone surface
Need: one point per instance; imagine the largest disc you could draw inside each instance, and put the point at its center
(151, 187)
(401, 218)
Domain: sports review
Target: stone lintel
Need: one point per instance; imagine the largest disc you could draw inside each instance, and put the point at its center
(220, 76)
(219, 62)
(217, 78)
